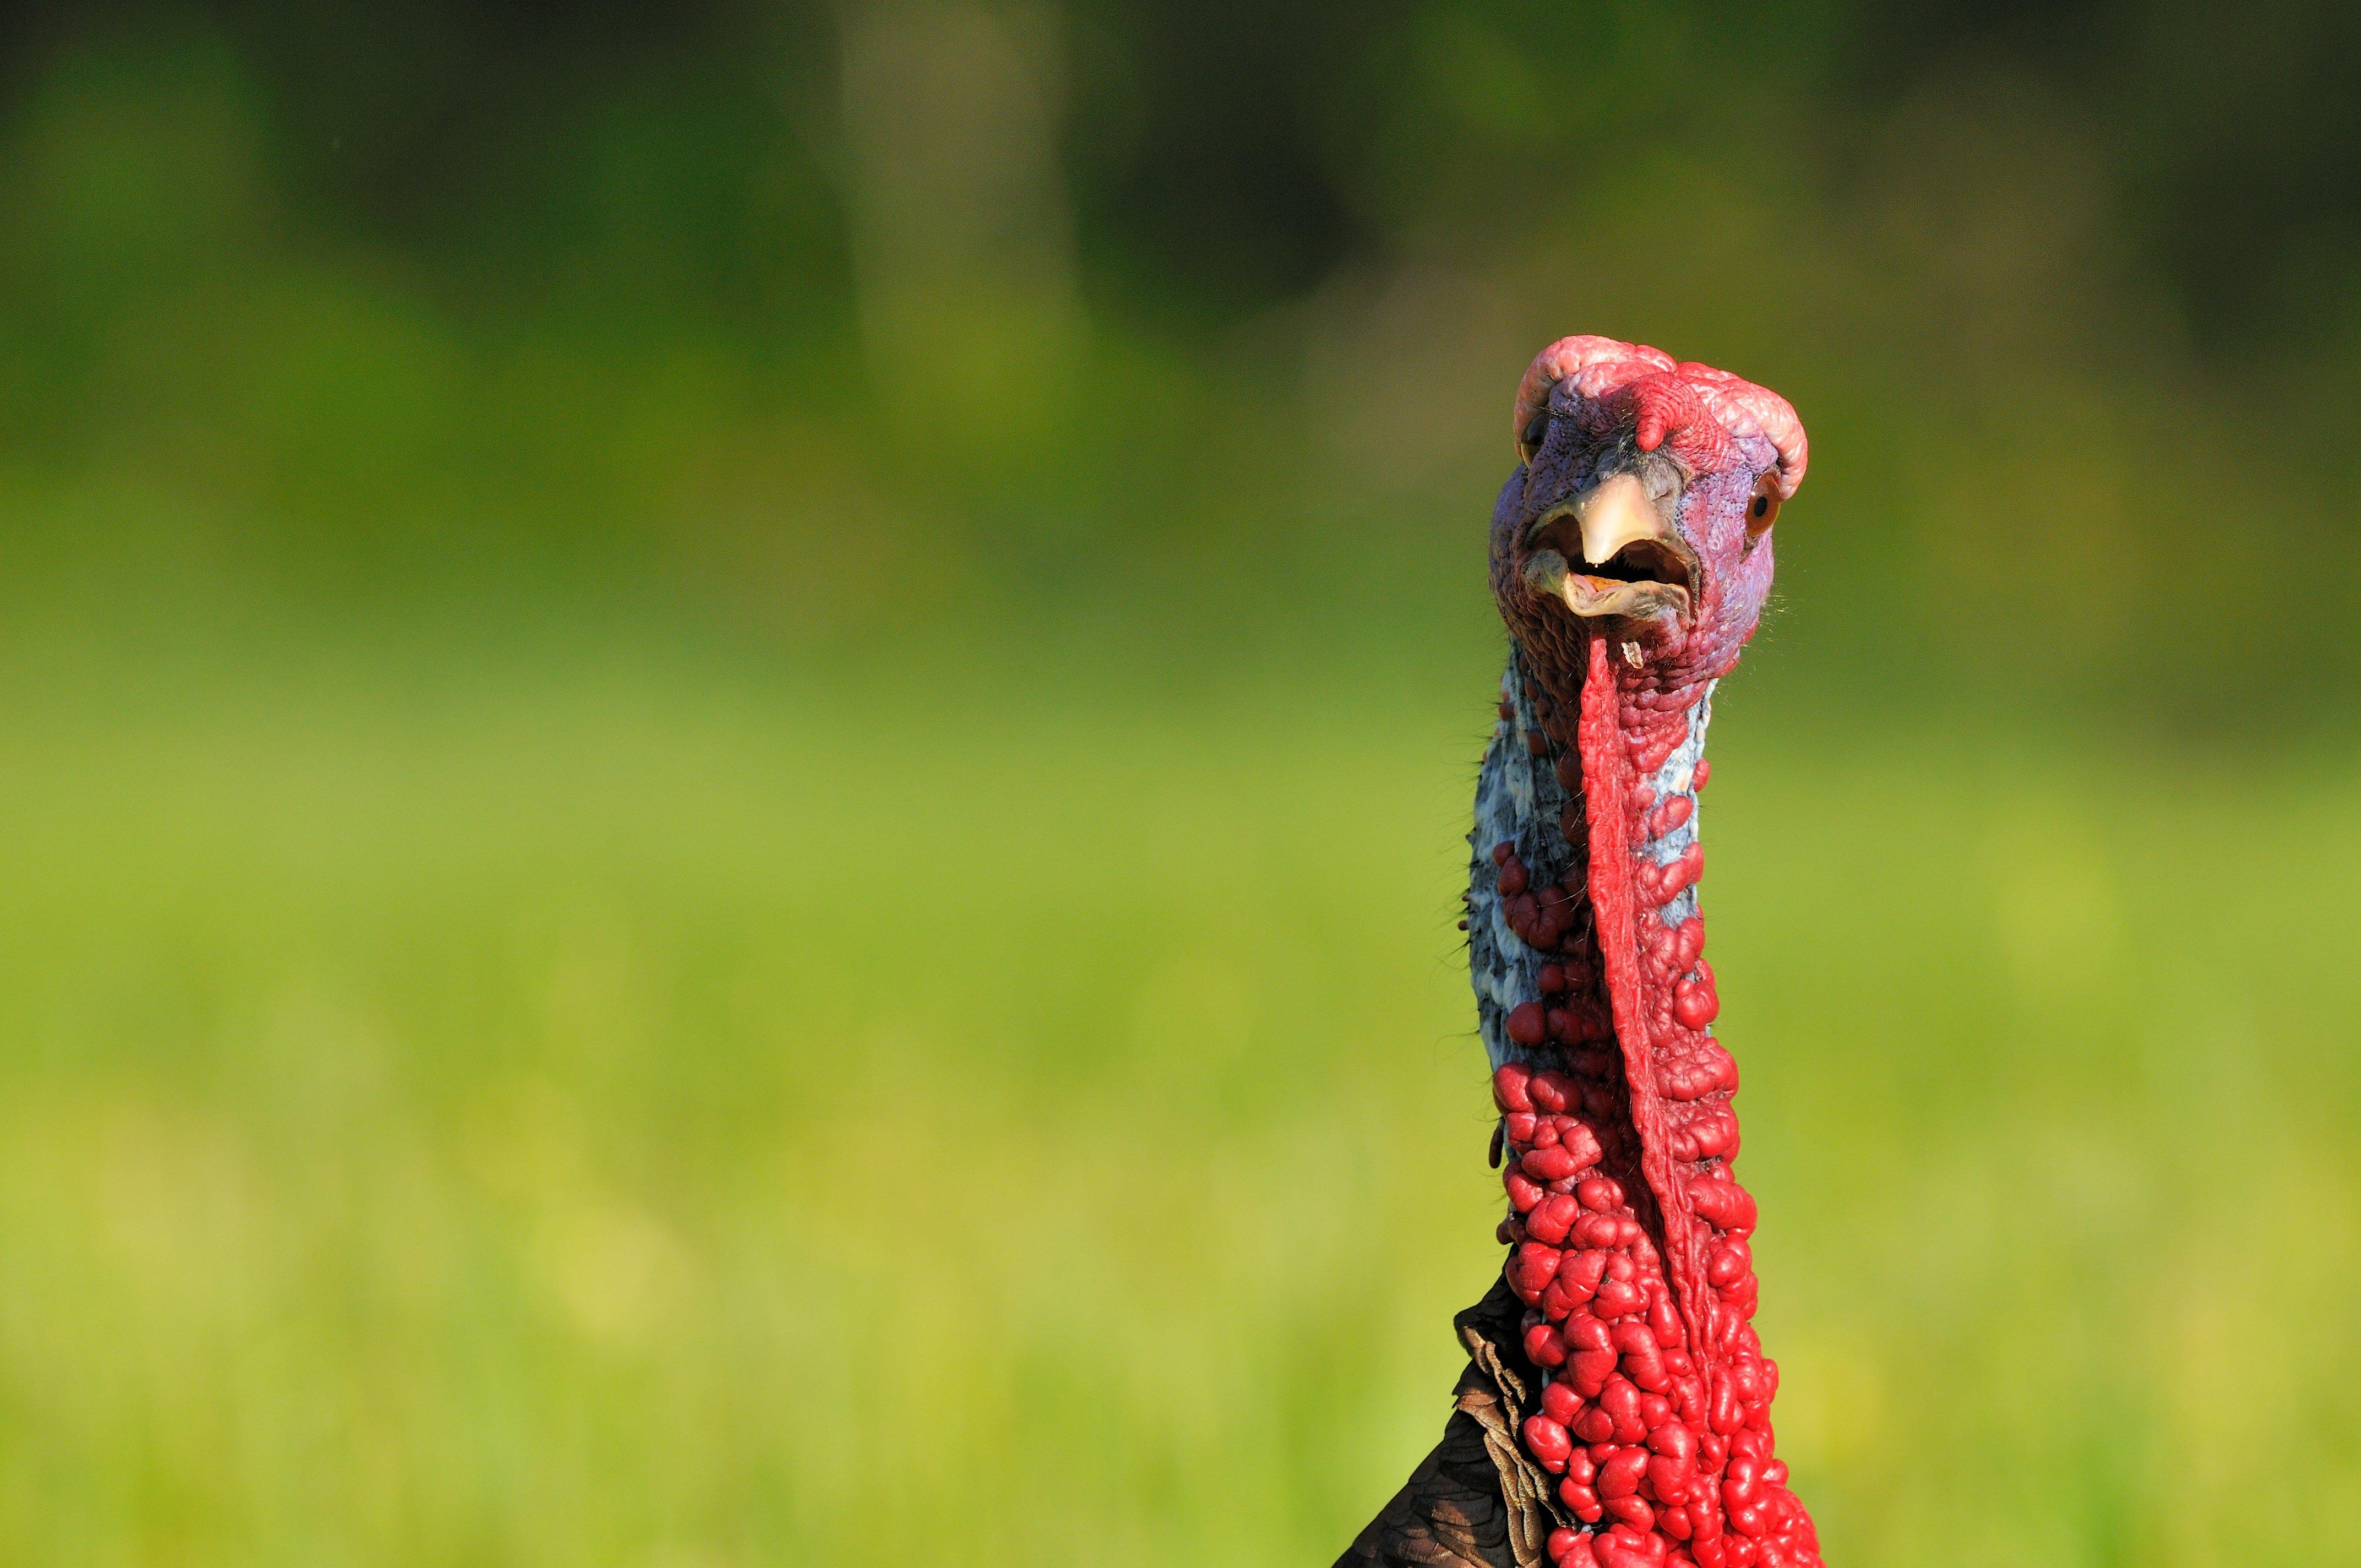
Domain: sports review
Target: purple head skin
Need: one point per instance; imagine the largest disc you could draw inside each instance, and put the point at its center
(1642, 513)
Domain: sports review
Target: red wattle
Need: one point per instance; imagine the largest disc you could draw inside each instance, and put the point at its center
(1632, 1248)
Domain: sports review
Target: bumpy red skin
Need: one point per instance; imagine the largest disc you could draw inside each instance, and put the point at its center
(1628, 1233)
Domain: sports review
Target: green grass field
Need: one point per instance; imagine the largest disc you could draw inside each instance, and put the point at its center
(622, 1110)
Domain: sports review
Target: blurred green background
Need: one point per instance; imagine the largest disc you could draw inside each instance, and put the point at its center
(734, 741)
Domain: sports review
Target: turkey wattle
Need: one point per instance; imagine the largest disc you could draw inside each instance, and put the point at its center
(1616, 1409)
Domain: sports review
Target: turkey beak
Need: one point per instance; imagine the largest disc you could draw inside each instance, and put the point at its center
(1634, 564)
(1612, 514)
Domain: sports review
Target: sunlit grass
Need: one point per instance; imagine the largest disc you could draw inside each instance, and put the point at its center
(647, 1116)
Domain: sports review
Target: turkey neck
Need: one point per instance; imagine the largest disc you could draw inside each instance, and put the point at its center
(1586, 951)
(1595, 790)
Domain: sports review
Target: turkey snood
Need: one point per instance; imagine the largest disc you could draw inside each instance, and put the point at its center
(1615, 1412)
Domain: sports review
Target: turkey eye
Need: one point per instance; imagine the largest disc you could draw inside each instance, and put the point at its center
(1763, 510)
(1535, 432)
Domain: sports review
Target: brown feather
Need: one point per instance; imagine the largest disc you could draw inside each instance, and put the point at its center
(1477, 1501)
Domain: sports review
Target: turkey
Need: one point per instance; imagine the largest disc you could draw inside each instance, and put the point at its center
(1616, 1408)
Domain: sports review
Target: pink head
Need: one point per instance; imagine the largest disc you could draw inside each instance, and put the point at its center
(1642, 511)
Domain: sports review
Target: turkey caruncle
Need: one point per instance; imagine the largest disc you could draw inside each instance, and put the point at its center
(1615, 1412)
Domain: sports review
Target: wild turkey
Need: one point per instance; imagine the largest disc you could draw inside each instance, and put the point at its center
(1615, 1412)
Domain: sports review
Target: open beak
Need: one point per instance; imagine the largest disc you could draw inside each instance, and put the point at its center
(1632, 562)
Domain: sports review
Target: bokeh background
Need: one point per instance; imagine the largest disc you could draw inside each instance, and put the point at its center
(734, 741)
